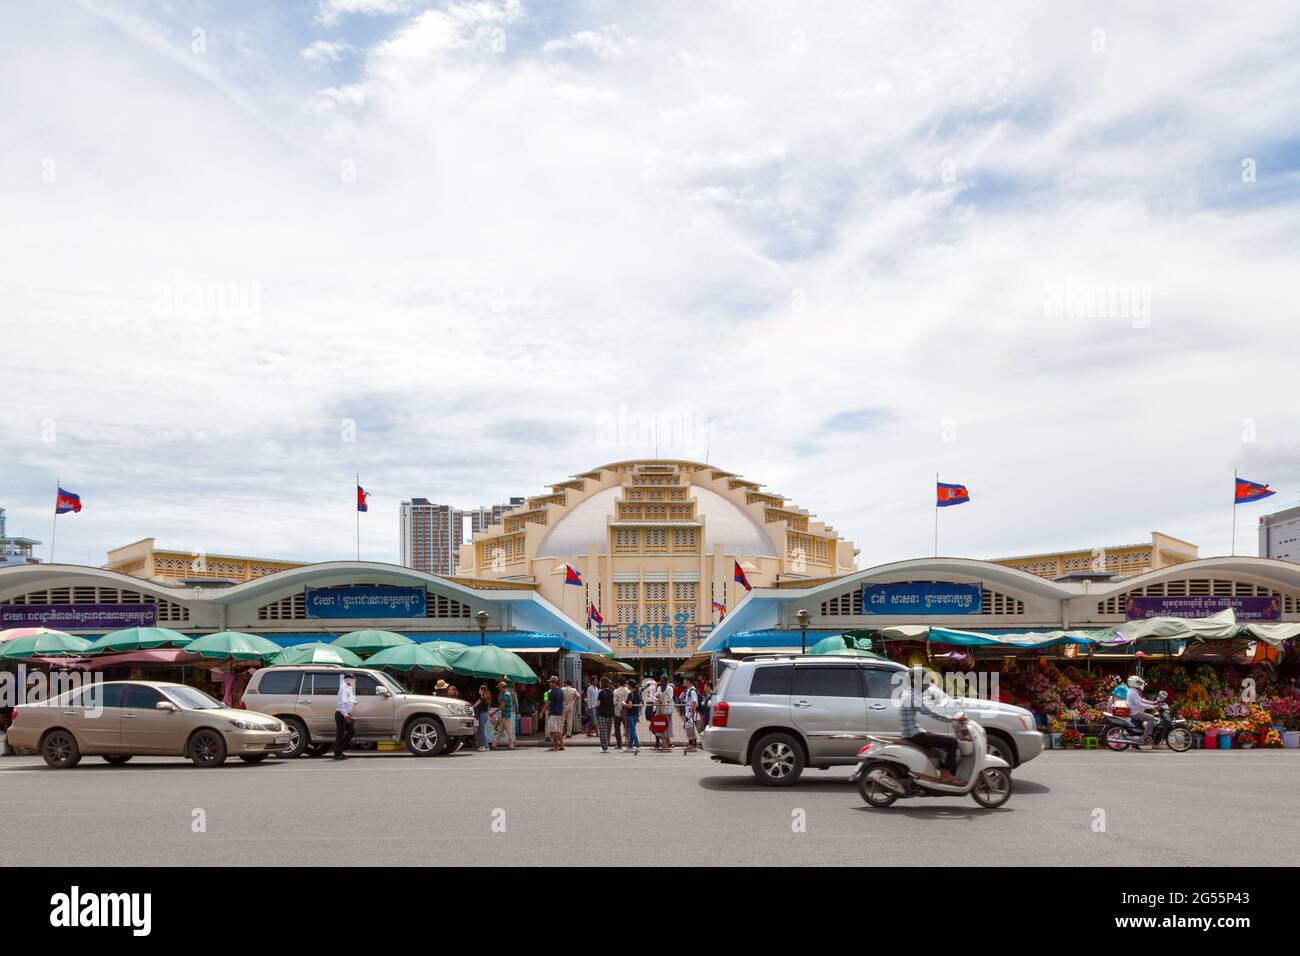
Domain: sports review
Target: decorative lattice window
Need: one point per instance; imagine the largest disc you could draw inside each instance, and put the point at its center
(684, 592)
(656, 590)
(625, 591)
(656, 539)
(684, 539)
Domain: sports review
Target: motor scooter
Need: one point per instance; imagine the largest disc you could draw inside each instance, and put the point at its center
(1121, 732)
(890, 768)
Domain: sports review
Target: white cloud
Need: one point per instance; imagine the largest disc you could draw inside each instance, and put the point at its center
(607, 42)
(324, 51)
(330, 12)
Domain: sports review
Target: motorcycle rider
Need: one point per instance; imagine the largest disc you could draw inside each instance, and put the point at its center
(912, 703)
(1139, 708)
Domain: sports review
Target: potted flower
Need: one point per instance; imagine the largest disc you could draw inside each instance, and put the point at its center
(1071, 738)
(1246, 737)
(1272, 738)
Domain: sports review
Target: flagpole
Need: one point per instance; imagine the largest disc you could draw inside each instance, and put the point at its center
(358, 507)
(54, 528)
(936, 514)
(1234, 513)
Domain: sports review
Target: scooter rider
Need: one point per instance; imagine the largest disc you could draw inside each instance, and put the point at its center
(911, 704)
(1139, 708)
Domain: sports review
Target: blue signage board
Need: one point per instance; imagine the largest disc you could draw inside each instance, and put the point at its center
(369, 601)
(921, 598)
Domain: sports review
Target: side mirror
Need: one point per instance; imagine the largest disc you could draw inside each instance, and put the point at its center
(1163, 695)
(166, 705)
(383, 691)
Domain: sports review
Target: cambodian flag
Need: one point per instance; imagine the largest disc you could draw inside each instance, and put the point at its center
(66, 501)
(739, 575)
(362, 495)
(571, 575)
(721, 609)
(949, 495)
(593, 615)
(1250, 491)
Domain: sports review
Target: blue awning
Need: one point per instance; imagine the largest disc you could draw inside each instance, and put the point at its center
(510, 640)
(771, 637)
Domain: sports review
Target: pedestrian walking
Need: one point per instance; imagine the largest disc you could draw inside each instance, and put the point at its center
(620, 713)
(344, 725)
(506, 700)
(604, 713)
(593, 692)
(634, 701)
(571, 699)
(665, 709)
(482, 708)
(555, 714)
(690, 711)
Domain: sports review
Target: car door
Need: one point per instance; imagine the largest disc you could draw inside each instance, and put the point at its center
(94, 715)
(828, 705)
(317, 701)
(373, 713)
(883, 685)
(145, 728)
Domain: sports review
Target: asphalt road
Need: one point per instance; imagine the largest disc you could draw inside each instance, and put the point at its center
(535, 807)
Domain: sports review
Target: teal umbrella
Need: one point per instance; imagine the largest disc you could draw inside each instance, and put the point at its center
(234, 645)
(371, 641)
(139, 639)
(489, 661)
(845, 646)
(409, 657)
(44, 643)
(317, 653)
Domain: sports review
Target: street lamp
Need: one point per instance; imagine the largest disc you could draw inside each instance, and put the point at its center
(803, 617)
(482, 618)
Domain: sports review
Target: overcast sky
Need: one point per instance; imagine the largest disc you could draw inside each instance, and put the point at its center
(465, 250)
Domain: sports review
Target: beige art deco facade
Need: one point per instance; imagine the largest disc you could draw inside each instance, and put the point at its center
(656, 544)
(144, 559)
(1124, 560)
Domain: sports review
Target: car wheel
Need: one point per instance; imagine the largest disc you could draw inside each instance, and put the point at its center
(425, 737)
(1179, 739)
(993, 788)
(318, 750)
(116, 759)
(1000, 748)
(299, 738)
(778, 760)
(253, 758)
(208, 749)
(60, 750)
(1113, 738)
(873, 791)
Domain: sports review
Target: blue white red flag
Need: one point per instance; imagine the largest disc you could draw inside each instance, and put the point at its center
(739, 575)
(571, 575)
(1250, 491)
(947, 495)
(65, 501)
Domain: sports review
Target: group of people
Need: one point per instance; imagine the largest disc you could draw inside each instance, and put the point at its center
(496, 711)
(612, 710)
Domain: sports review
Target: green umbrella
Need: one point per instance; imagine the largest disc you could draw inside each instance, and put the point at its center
(410, 657)
(227, 645)
(317, 653)
(46, 643)
(845, 646)
(370, 641)
(487, 660)
(139, 639)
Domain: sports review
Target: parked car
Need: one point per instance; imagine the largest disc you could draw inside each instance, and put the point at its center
(304, 697)
(118, 720)
(780, 714)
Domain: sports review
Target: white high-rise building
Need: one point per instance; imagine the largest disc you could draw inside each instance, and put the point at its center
(1279, 535)
(431, 533)
(15, 550)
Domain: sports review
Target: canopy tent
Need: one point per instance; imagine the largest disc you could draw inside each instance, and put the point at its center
(1018, 639)
(602, 663)
(773, 639)
(511, 640)
(1217, 627)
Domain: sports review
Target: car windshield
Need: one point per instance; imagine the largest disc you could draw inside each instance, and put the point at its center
(394, 684)
(192, 699)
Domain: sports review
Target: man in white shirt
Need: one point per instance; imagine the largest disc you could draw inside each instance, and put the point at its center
(344, 727)
(665, 706)
(593, 695)
(620, 715)
(690, 711)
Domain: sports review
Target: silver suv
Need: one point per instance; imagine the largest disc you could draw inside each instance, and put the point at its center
(780, 714)
(303, 696)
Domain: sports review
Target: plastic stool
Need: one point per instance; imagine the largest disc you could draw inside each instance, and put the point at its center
(1091, 743)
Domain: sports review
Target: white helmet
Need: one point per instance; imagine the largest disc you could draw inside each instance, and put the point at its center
(1137, 683)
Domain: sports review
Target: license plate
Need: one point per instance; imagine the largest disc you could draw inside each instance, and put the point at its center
(282, 740)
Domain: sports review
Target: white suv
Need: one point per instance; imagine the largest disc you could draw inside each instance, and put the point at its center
(780, 714)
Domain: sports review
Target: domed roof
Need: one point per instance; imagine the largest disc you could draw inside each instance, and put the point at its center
(725, 523)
